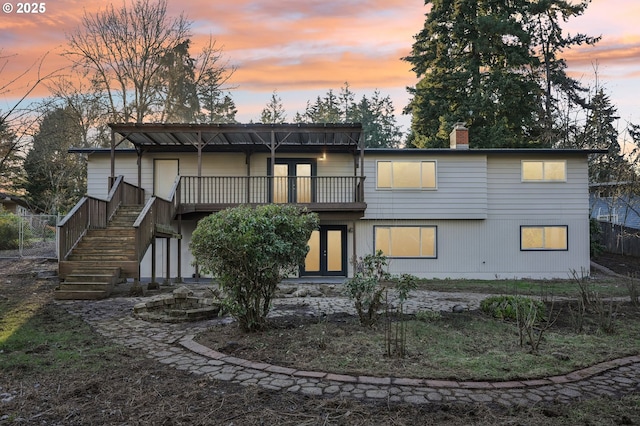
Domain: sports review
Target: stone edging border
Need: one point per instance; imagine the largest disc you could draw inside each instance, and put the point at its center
(190, 344)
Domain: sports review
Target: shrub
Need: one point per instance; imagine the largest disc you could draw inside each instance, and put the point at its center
(428, 316)
(367, 286)
(9, 231)
(371, 282)
(529, 315)
(595, 246)
(509, 307)
(250, 251)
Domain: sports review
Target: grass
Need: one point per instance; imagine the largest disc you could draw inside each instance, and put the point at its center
(543, 288)
(36, 337)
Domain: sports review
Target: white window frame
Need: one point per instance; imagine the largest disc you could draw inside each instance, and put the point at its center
(543, 162)
(420, 188)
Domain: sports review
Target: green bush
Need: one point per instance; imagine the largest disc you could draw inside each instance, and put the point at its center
(250, 251)
(595, 246)
(9, 231)
(367, 286)
(512, 307)
(370, 282)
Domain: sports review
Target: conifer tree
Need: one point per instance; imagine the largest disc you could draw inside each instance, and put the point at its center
(489, 64)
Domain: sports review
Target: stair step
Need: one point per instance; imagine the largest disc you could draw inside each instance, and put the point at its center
(80, 294)
(99, 257)
(87, 277)
(87, 286)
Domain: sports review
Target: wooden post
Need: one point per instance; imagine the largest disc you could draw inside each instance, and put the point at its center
(168, 276)
(179, 278)
(153, 283)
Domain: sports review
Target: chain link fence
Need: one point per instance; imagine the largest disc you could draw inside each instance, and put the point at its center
(28, 235)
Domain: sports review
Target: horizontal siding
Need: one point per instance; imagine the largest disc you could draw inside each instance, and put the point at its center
(485, 249)
(99, 170)
(461, 191)
(509, 197)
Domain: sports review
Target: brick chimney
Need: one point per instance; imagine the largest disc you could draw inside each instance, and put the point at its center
(459, 137)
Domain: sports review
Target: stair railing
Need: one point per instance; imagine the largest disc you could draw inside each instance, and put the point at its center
(94, 213)
(157, 212)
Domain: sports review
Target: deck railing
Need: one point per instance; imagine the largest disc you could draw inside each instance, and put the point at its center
(157, 213)
(229, 190)
(94, 213)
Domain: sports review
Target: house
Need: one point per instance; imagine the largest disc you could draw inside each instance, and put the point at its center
(615, 202)
(436, 213)
(13, 204)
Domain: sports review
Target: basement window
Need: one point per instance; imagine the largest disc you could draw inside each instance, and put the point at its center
(406, 241)
(543, 238)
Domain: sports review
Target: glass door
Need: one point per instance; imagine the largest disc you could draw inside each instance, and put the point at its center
(327, 252)
(293, 181)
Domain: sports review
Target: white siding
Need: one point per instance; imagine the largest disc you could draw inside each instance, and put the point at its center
(510, 198)
(461, 190)
(485, 249)
(99, 170)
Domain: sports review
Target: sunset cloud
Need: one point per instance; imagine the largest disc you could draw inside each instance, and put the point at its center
(305, 47)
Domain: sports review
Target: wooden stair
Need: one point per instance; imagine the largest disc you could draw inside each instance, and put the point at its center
(100, 259)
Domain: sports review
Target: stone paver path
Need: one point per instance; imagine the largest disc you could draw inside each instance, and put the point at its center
(173, 344)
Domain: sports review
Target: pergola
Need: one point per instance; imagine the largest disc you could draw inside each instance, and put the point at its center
(247, 138)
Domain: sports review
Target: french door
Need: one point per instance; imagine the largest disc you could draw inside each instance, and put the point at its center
(327, 252)
(293, 181)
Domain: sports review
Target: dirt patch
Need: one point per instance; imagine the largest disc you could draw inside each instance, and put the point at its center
(339, 344)
(622, 265)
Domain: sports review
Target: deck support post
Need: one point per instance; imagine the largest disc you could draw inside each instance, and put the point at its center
(167, 280)
(179, 277)
(153, 284)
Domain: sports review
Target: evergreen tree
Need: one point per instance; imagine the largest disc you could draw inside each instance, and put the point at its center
(273, 113)
(324, 110)
(478, 63)
(178, 85)
(378, 121)
(54, 178)
(220, 109)
(376, 114)
(600, 132)
(549, 41)
(9, 157)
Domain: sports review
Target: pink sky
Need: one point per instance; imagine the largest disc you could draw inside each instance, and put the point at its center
(304, 48)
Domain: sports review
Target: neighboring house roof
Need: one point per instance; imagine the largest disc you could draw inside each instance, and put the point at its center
(10, 199)
(623, 210)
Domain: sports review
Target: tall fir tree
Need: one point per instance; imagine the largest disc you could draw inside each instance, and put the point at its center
(479, 62)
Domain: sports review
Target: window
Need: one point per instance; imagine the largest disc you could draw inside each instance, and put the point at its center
(406, 241)
(543, 238)
(406, 174)
(544, 171)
